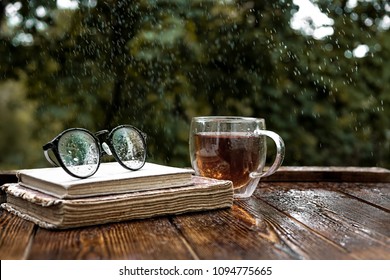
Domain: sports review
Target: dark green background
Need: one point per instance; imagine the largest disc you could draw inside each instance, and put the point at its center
(156, 64)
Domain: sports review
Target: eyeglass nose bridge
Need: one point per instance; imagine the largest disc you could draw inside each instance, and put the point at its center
(104, 145)
(101, 132)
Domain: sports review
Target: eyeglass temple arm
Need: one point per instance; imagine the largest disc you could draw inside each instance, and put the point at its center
(46, 149)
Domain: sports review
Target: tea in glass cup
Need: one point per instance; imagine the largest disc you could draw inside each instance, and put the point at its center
(233, 148)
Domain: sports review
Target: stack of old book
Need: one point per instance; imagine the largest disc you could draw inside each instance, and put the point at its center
(51, 198)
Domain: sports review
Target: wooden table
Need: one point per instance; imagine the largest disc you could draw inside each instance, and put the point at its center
(298, 213)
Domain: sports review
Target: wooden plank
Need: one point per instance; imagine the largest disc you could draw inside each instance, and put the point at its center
(329, 174)
(15, 236)
(261, 233)
(143, 239)
(358, 227)
(377, 194)
(232, 234)
(284, 232)
(147, 239)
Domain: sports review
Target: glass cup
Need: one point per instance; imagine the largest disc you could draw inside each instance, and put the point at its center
(233, 148)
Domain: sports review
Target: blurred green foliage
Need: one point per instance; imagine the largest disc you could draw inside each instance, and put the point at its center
(156, 64)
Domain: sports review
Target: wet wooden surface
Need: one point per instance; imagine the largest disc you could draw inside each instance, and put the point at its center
(298, 213)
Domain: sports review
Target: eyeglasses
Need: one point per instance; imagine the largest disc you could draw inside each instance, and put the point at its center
(79, 152)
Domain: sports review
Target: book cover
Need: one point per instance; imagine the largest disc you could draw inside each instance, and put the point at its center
(54, 213)
(111, 178)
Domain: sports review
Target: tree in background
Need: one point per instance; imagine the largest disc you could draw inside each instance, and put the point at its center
(156, 64)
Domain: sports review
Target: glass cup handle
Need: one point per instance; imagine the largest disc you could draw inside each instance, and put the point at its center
(279, 154)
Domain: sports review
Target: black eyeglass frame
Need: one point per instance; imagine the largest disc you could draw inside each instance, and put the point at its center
(53, 146)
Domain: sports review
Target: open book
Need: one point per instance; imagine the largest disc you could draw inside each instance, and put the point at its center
(50, 212)
(111, 178)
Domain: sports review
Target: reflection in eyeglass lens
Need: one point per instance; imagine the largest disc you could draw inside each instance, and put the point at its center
(79, 152)
(129, 147)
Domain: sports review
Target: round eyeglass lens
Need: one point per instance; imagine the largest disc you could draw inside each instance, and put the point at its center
(79, 152)
(129, 146)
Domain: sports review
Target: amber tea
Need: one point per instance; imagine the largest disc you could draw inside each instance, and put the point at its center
(233, 148)
(229, 156)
